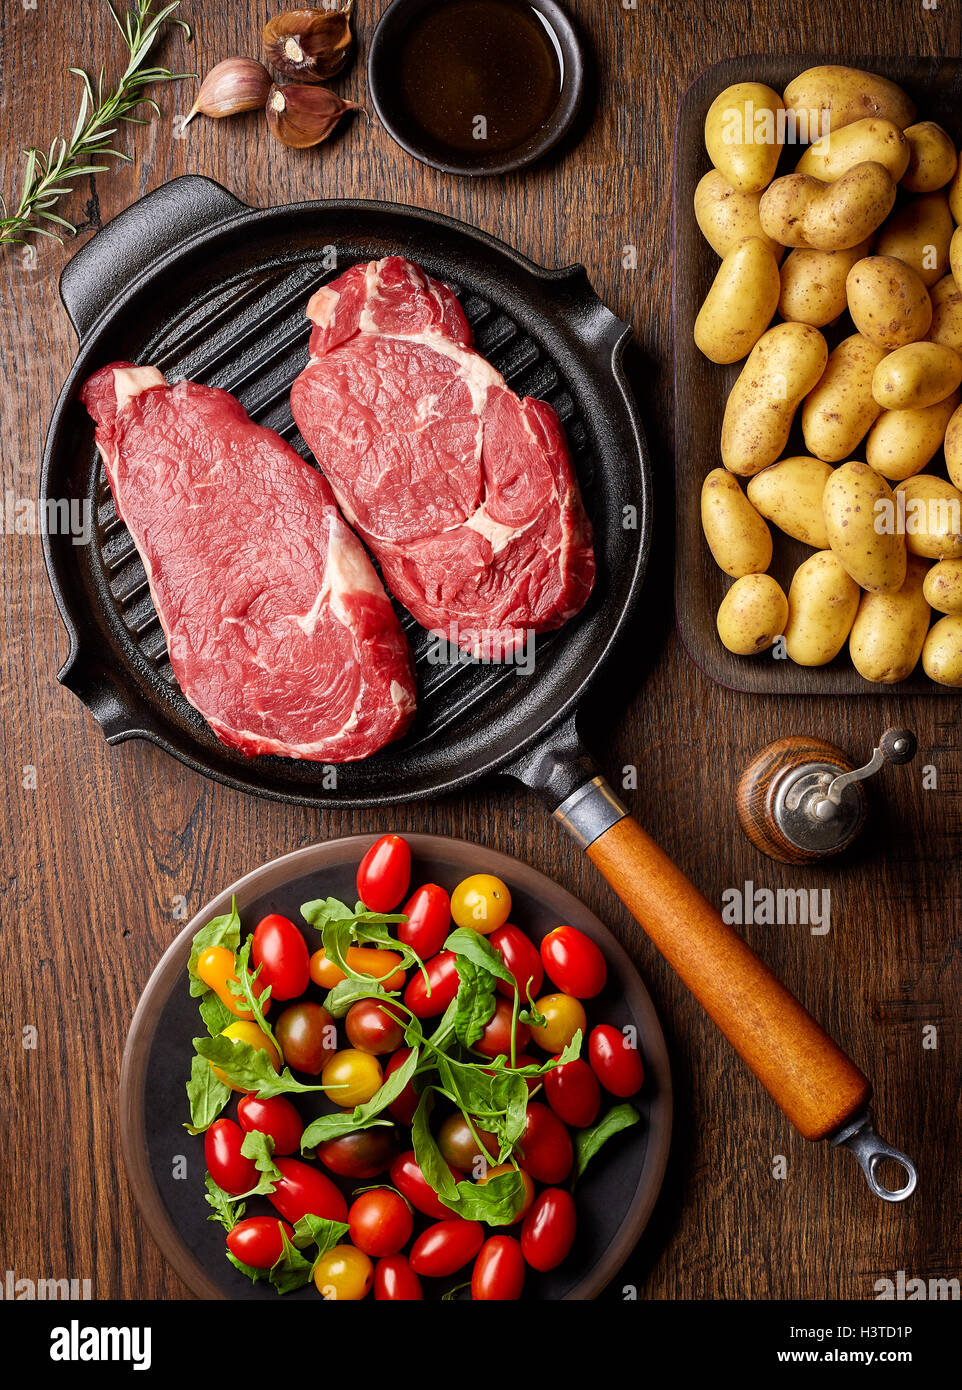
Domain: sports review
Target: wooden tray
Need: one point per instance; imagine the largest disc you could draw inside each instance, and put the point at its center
(702, 387)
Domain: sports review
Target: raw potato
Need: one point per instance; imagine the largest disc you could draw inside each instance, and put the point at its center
(955, 193)
(942, 653)
(841, 409)
(915, 376)
(752, 614)
(955, 256)
(943, 586)
(889, 629)
(737, 536)
(933, 517)
(919, 233)
(888, 302)
(932, 158)
(813, 284)
(725, 217)
(789, 494)
(799, 210)
(822, 603)
(784, 365)
(849, 94)
(953, 447)
(946, 327)
(744, 144)
(740, 304)
(902, 442)
(871, 139)
(875, 559)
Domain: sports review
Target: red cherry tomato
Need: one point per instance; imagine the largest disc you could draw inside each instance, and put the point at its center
(373, 1027)
(282, 954)
(573, 1093)
(225, 1162)
(381, 1222)
(276, 1117)
(384, 874)
(395, 1281)
(407, 1102)
(412, 1184)
(548, 1231)
(444, 980)
(522, 960)
(495, 1041)
(617, 1065)
(258, 1242)
(574, 962)
(428, 922)
(544, 1149)
(304, 1190)
(498, 1273)
(362, 1154)
(446, 1247)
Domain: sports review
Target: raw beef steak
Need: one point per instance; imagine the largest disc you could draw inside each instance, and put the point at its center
(278, 629)
(464, 492)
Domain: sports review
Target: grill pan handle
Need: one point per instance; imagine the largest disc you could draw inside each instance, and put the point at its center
(107, 264)
(810, 1078)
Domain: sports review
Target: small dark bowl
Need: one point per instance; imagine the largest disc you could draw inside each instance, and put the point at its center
(381, 70)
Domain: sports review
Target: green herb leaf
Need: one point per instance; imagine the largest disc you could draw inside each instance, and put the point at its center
(362, 1116)
(317, 1230)
(227, 1210)
(475, 1001)
(587, 1142)
(248, 1270)
(250, 1068)
(260, 1148)
(476, 948)
(256, 1000)
(216, 1016)
(220, 931)
(349, 991)
(291, 1271)
(341, 927)
(207, 1095)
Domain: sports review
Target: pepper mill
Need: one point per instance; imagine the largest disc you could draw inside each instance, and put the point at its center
(800, 799)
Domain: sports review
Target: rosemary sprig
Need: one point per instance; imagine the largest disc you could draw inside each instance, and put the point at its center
(49, 175)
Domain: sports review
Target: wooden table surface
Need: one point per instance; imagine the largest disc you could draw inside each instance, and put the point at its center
(101, 847)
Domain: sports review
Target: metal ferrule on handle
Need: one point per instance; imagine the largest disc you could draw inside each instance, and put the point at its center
(590, 811)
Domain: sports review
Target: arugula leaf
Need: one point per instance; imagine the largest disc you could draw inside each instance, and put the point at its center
(362, 1116)
(252, 1274)
(349, 991)
(220, 931)
(250, 1068)
(498, 1202)
(475, 1001)
(341, 928)
(476, 948)
(245, 990)
(260, 1148)
(291, 1270)
(207, 1095)
(317, 1230)
(587, 1142)
(227, 1210)
(215, 1014)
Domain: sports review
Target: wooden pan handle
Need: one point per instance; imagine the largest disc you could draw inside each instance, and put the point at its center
(804, 1071)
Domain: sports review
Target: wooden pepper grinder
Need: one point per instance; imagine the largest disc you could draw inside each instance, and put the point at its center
(800, 799)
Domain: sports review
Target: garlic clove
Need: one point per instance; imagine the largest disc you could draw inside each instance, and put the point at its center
(310, 45)
(236, 84)
(303, 116)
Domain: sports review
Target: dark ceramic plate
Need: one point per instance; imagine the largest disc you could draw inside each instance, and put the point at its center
(617, 1193)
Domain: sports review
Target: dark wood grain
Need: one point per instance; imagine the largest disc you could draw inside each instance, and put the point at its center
(99, 855)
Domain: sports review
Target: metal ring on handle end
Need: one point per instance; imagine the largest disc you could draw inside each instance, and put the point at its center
(860, 1137)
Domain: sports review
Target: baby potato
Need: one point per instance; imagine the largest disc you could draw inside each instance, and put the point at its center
(841, 408)
(888, 302)
(942, 652)
(919, 234)
(902, 442)
(789, 494)
(740, 304)
(813, 284)
(752, 614)
(799, 210)
(737, 536)
(742, 135)
(822, 603)
(953, 447)
(782, 368)
(932, 517)
(849, 95)
(946, 299)
(954, 192)
(889, 629)
(725, 216)
(873, 556)
(943, 586)
(912, 377)
(955, 256)
(870, 139)
(932, 158)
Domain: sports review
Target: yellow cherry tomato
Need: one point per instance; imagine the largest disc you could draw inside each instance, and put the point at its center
(381, 965)
(215, 966)
(247, 1032)
(564, 1015)
(482, 902)
(357, 1075)
(344, 1273)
